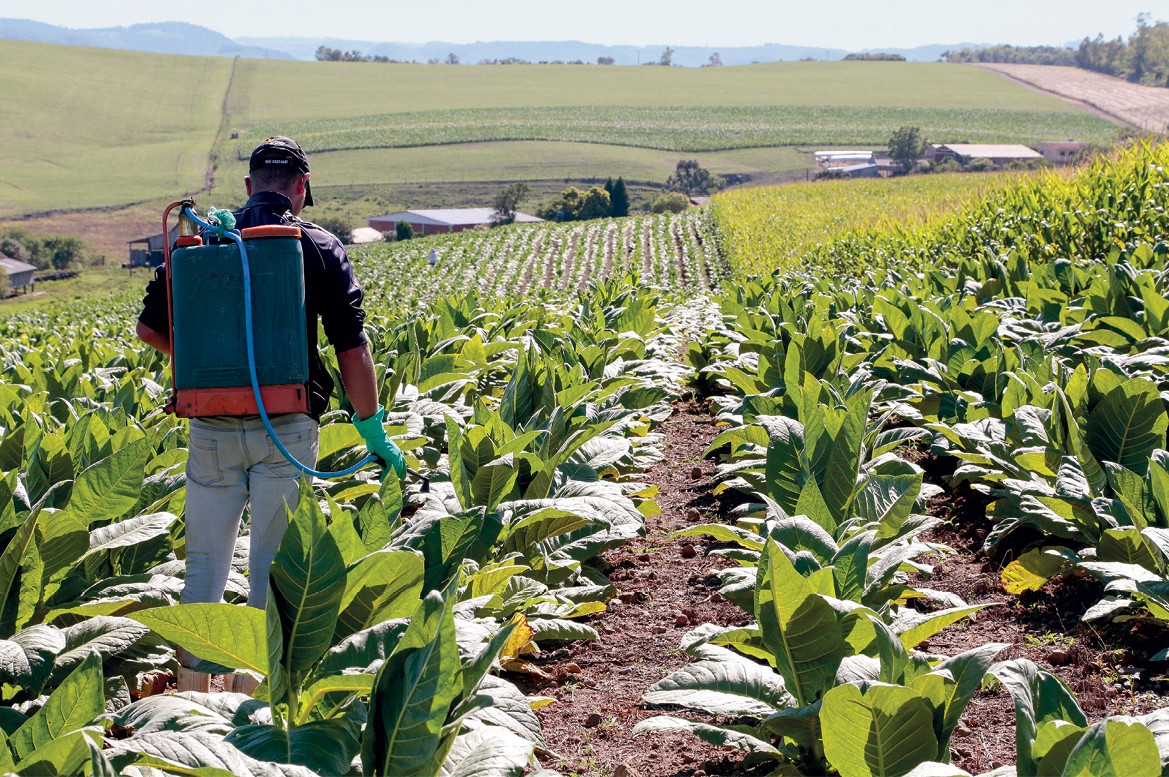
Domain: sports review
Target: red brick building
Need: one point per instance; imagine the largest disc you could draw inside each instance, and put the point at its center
(432, 222)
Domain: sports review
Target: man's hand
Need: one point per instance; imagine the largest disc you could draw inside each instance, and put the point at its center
(379, 444)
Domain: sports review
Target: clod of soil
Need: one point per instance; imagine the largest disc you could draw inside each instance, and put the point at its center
(688, 551)
(696, 473)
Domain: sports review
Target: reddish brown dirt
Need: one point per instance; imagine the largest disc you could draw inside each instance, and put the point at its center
(639, 638)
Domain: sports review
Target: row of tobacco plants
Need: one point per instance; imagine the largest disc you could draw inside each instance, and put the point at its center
(391, 612)
(1029, 341)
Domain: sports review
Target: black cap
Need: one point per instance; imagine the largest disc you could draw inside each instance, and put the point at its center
(285, 153)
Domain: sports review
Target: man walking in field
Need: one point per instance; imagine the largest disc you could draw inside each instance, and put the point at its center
(231, 462)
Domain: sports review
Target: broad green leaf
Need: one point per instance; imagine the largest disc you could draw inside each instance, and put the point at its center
(1127, 546)
(968, 670)
(412, 694)
(1054, 743)
(308, 581)
(559, 630)
(888, 500)
(811, 503)
(226, 634)
(12, 567)
(362, 649)
(195, 753)
(490, 751)
(325, 746)
(337, 437)
(347, 684)
(914, 627)
(27, 659)
(1039, 697)
(784, 470)
(1032, 570)
(74, 704)
(1114, 748)
(884, 732)
(167, 712)
(132, 531)
(63, 756)
(799, 627)
(723, 688)
(492, 482)
(110, 487)
(381, 586)
(740, 737)
(1128, 425)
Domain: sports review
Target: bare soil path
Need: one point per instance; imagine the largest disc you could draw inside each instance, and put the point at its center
(665, 590)
(1144, 107)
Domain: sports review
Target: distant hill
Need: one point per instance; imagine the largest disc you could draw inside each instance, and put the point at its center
(183, 38)
(160, 38)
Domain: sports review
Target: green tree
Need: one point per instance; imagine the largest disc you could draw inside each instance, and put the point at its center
(506, 203)
(691, 178)
(906, 146)
(64, 252)
(338, 226)
(606, 61)
(619, 199)
(667, 57)
(594, 205)
(714, 61)
(452, 59)
(403, 230)
(5, 287)
(674, 202)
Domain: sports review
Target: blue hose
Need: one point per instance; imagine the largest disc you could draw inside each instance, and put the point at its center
(243, 255)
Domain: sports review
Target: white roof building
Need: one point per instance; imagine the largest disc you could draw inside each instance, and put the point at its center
(429, 222)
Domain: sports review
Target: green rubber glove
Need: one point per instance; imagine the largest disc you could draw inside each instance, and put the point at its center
(380, 445)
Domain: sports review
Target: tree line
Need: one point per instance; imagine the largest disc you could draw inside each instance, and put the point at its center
(43, 251)
(1142, 59)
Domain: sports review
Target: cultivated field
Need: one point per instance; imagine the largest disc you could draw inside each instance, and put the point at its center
(84, 128)
(1144, 107)
(688, 129)
(96, 127)
(769, 228)
(914, 486)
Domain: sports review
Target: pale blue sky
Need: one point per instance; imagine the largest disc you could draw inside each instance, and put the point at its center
(850, 24)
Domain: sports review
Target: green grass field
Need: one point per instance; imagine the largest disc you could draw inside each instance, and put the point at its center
(83, 128)
(515, 161)
(356, 89)
(86, 128)
(678, 128)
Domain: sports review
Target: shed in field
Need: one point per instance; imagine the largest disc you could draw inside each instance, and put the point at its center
(1000, 154)
(862, 170)
(433, 222)
(150, 251)
(1060, 152)
(19, 273)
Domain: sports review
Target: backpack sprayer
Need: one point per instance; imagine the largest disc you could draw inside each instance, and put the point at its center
(212, 348)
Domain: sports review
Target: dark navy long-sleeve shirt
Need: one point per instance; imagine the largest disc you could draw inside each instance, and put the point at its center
(331, 291)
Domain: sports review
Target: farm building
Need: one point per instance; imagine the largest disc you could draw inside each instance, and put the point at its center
(828, 159)
(150, 251)
(861, 170)
(19, 273)
(1060, 152)
(432, 222)
(1000, 154)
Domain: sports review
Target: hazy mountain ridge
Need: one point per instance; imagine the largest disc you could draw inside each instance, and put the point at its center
(160, 38)
(193, 39)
